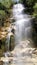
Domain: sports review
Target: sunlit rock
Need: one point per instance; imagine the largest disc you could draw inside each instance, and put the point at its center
(3, 35)
(6, 59)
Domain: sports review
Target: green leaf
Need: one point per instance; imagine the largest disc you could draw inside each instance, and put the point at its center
(2, 12)
(35, 6)
(6, 3)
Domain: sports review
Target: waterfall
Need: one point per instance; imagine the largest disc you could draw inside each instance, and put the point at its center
(8, 42)
(22, 23)
(8, 38)
(22, 53)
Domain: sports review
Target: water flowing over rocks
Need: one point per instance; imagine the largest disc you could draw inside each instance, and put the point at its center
(24, 53)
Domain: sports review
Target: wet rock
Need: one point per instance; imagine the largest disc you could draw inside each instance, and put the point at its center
(7, 54)
(26, 51)
(1, 62)
(35, 51)
(3, 35)
(6, 59)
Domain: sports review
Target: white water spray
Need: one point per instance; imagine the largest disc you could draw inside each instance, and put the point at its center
(23, 23)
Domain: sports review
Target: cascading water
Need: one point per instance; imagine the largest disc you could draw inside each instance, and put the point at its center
(8, 42)
(22, 50)
(23, 24)
(22, 53)
(8, 38)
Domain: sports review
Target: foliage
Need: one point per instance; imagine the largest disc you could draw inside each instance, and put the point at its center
(2, 12)
(35, 10)
(31, 5)
(6, 3)
(5, 9)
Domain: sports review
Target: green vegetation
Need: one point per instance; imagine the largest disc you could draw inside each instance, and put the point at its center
(5, 5)
(35, 10)
(5, 9)
(31, 5)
